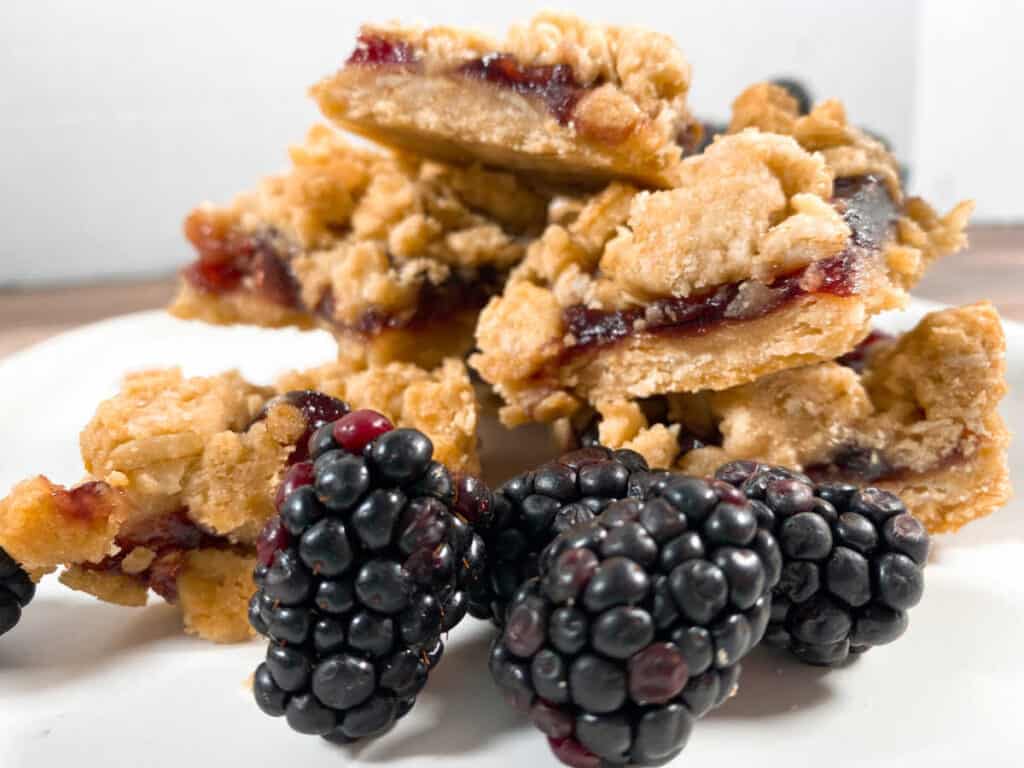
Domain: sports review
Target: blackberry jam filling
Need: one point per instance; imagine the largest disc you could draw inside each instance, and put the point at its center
(555, 85)
(230, 260)
(258, 264)
(867, 208)
(168, 538)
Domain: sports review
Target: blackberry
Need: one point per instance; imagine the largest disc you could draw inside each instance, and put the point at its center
(359, 574)
(16, 592)
(528, 511)
(636, 623)
(853, 561)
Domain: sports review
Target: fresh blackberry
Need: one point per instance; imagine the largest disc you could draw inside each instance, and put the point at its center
(637, 621)
(16, 592)
(528, 511)
(360, 573)
(853, 561)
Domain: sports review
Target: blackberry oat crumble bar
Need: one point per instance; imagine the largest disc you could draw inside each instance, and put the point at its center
(559, 97)
(394, 255)
(916, 415)
(780, 243)
(182, 474)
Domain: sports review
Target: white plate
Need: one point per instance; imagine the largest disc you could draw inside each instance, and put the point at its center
(88, 684)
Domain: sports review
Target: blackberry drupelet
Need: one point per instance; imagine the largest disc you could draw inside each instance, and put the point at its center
(637, 621)
(360, 573)
(16, 592)
(528, 511)
(853, 561)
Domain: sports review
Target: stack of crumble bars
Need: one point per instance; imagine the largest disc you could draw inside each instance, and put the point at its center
(546, 207)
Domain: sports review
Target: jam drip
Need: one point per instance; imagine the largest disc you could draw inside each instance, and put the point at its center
(230, 260)
(865, 205)
(555, 85)
(169, 538)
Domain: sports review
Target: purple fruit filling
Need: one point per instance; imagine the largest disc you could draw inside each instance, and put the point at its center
(867, 208)
(259, 264)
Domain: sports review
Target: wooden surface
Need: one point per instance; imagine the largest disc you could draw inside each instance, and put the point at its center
(992, 268)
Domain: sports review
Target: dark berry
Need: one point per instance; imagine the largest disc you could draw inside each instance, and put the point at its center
(856, 532)
(657, 674)
(550, 677)
(662, 734)
(383, 586)
(300, 510)
(852, 561)
(401, 455)
(900, 581)
(848, 576)
(322, 441)
(371, 633)
(597, 684)
(325, 548)
(438, 482)
(365, 568)
(297, 476)
(374, 519)
(617, 581)
(568, 630)
(288, 581)
(530, 510)
(288, 624)
(354, 431)
(345, 681)
(636, 621)
(805, 536)
(306, 714)
(370, 718)
(289, 667)
(269, 696)
(341, 480)
(692, 496)
(335, 597)
(620, 632)
(907, 535)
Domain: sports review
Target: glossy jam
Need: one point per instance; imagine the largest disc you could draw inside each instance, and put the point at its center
(229, 258)
(169, 538)
(867, 208)
(555, 85)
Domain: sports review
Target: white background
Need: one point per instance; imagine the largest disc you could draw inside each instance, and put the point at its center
(119, 116)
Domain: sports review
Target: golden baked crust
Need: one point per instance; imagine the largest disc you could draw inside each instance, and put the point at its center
(625, 116)
(378, 248)
(921, 419)
(759, 209)
(181, 476)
